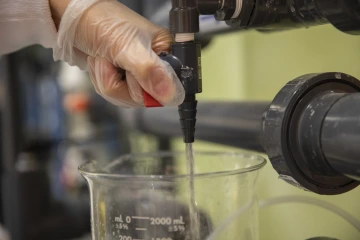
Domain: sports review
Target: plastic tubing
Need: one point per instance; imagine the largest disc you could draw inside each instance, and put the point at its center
(287, 199)
(312, 201)
(230, 219)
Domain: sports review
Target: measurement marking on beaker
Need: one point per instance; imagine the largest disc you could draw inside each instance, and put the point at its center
(141, 218)
(140, 229)
(179, 221)
(121, 226)
(177, 228)
(120, 219)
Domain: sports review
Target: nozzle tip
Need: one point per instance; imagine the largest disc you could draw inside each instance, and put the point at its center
(189, 136)
(187, 113)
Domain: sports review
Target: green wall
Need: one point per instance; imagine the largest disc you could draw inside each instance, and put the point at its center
(255, 66)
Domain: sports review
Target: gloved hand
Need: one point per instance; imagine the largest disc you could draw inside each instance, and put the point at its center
(105, 35)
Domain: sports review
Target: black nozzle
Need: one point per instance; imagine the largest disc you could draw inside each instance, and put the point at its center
(185, 60)
(184, 18)
(187, 113)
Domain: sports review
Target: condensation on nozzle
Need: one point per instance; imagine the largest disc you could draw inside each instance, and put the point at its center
(187, 113)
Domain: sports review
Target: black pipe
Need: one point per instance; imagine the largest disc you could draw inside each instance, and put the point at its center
(184, 17)
(234, 124)
(293, 127)
(284, 14)
(341, 135)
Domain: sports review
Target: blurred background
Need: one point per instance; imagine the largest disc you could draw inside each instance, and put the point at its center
(52, 121)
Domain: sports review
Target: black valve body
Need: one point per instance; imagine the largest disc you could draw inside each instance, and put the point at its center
(189, 53)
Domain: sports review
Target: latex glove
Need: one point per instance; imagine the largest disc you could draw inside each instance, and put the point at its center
(108, 35)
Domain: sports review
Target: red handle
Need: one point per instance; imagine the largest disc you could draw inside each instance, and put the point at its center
(149, 101)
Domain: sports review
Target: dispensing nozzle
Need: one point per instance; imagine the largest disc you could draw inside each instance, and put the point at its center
(184, 23)
(185, 58)
(190, 76)
(187, 113)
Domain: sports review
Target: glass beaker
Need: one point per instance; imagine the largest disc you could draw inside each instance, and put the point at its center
(147, 196)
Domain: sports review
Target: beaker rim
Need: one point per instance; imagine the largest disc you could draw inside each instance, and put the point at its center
(261, 162)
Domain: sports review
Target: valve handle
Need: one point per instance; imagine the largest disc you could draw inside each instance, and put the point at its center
(150, 101)
(176, 64)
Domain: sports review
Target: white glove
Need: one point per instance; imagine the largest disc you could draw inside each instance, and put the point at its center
(107, 35)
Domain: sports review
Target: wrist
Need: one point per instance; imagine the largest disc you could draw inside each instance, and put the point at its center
(58, 8)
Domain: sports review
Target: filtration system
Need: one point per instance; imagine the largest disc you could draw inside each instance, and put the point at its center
(309, 131)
